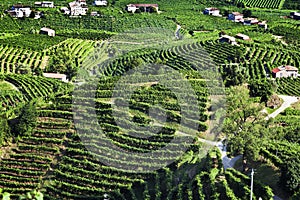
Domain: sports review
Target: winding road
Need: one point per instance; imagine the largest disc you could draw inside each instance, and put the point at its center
(287, 102)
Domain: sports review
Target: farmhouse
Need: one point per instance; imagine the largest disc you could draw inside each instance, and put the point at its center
(236, 17)
(78, 7)
(212, 11)
(47, 31)
(228, 39)
(285, 71)
(65, 10)
(45, 4)
(295, 15)
(242, 36)
(19, 11)
(61, 77)
(263, 24)
(100, 3)
(95, 14)
(146, 7)
(250, 21)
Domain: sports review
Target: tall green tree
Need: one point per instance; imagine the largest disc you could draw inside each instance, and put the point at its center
(64, 62)
(4, 129)
(244, 126)
(27, 120)
(262, 88)
(290, 174)
(232, 75)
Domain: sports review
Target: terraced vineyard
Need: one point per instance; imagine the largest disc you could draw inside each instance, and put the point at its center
(287, 86)
(27, 88)
(13, 58)
(263, 3)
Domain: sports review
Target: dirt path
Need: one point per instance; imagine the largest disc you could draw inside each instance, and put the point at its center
(288, 100)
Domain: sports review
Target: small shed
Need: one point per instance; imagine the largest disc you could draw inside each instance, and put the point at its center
(211, 11)
(242, 36)
(47, 31)
(58, 76)
(228, 39)
(100, 3)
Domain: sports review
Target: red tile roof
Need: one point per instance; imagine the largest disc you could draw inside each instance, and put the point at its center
(276, 70)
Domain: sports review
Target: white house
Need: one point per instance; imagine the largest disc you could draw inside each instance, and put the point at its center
(147, 7)
(250, 21)
(61, 77)
(78, 7)
(45, 4)
(228, 39)
(263, 24)
(236, 17)
(100, 3)
(47, 31)
(295, 15)
(65, 10)
(285, 71)
(242, 36)
(212, 11)
(19, 11)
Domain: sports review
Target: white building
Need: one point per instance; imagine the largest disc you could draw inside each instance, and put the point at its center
(250, 21)
(147, 7)
(78, 8)
(45, 4)
(212, 11)
(236, 17)
(242, 36)
(263, 24)
(65, 10)
(228, 39)
(100, 3)
(285, 71)
(19, 11)
(47, 31)
(61, 77)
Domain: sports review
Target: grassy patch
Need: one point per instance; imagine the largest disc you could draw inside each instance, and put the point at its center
(5, 86)
(266, 174)
(296, 105)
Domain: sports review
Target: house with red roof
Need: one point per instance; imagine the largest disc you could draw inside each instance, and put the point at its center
(285, 71)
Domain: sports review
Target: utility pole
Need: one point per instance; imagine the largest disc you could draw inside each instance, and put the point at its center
(252, 174)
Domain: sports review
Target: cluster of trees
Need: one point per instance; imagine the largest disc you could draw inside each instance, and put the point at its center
(20, 126)
(64, 62)
(248, 132)
(245, 127)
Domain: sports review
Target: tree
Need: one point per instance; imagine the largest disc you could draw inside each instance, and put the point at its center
(245, 127)
(64, 62)
(4, 129)
(290, 174)
(232, 75)
(26, 121)
(261, 88)
(247, 13)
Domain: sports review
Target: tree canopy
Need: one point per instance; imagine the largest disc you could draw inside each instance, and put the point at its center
(245, 126)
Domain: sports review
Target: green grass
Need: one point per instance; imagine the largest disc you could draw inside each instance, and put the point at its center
(5, 86)
(266, 174)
